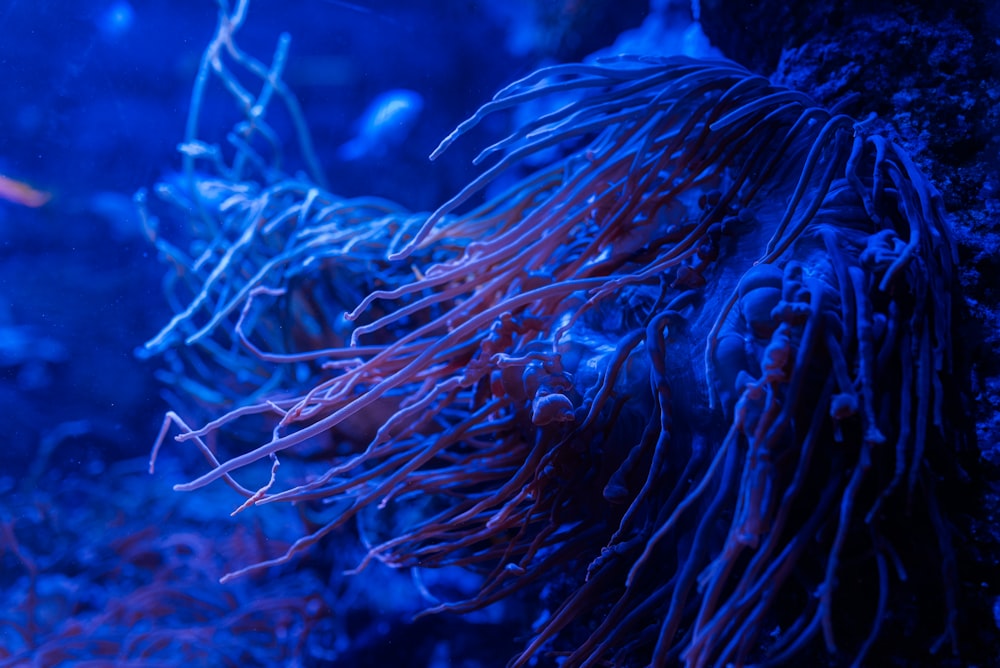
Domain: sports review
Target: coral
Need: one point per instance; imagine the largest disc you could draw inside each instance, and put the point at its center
(694, 375)
(92, 579)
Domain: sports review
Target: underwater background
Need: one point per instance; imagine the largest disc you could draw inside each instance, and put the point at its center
(102, 563)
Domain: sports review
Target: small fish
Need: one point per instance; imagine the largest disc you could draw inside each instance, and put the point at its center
(20, 192)
(385, 123)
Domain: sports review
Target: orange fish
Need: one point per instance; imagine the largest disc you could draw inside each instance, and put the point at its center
(21, 193)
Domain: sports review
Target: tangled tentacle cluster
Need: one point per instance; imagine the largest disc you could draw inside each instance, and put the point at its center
(694, 367)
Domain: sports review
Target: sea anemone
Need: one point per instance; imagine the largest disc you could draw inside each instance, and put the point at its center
(694, 374)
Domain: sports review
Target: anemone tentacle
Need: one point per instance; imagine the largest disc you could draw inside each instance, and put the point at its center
(694, 364)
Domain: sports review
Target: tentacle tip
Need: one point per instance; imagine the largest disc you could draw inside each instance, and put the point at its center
(615, 492)
(402, 253)
(549, 408)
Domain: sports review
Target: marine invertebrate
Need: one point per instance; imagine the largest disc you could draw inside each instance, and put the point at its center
(693, 370)
(136, 595)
